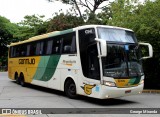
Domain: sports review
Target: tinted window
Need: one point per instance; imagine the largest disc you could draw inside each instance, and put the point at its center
(55, 45)
(28, 50)
(39, 48)
(89, 53)
(22, 50)
(69, 43)
(57, 41)
(49, 46)
(32, 49)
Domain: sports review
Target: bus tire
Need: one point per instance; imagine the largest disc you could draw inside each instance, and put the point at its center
(22, 82)
(70, 89)
(17, 78)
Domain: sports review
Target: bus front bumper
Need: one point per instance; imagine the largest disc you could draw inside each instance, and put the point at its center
(113, 92)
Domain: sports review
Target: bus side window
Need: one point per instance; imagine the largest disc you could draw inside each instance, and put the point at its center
(13, 51)
(22, 50)
(56, 45)
(49, 47)
(33, 49)
(39, 48)
(73, 44)
(44, 47)
(17, 51)
(55, 49)
(69, 43)
(28, 49)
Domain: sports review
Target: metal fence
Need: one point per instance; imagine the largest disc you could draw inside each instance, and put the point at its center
(3, 68)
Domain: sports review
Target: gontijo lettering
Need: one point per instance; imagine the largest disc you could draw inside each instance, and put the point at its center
(27, 61)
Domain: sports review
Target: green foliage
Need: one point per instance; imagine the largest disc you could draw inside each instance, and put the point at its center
(31, 26)
(10, 32)
(62, 22)
(91, 6)
(149, 31)
(122, 13)
(7, 30)
(32, 21)
(144, 19)
(105, 15)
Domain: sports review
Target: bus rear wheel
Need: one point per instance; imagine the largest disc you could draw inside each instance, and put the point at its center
(70, 89)
(17, 79)
(21, 80)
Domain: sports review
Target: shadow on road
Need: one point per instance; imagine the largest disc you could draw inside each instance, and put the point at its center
(101, 102)
(106, 102)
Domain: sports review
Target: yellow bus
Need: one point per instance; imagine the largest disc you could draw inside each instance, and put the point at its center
(92, 60)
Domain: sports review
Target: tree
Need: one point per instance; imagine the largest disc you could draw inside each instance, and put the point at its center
(7, 32)
(32, 20)
(144, 19)
(148, 30)
(31, 26)
(10, 32)
(64, 21)
(90, 5)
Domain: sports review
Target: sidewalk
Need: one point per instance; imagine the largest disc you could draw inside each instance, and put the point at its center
(151, 91)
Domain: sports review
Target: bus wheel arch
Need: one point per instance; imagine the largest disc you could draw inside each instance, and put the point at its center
(70, 88)
(22, 80)
(16, 77)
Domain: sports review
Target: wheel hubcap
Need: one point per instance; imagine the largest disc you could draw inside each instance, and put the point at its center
(72, 89)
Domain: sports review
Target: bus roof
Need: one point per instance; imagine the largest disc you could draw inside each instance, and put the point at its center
(38, 37)
(55, 33)
(105, 26)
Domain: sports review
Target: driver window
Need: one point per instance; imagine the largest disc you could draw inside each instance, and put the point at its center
(93, 62)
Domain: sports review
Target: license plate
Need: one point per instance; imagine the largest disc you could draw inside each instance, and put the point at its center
(128, 91)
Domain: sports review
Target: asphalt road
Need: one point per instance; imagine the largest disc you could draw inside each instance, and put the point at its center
(13, 95)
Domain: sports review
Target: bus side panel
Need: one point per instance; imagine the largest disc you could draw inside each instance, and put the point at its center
(68, 68)
(26, 65)
(46, 70)
(11, 72)
(12, 67)
(54, 82)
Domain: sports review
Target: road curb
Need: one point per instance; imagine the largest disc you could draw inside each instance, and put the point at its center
(150, 91)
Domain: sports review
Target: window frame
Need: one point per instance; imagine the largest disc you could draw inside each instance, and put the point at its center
(32, 46)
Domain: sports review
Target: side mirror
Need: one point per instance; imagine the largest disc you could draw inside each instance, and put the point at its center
(103, 47)
(150, 50)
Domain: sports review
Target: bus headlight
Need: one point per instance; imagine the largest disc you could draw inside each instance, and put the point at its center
(109, 83)
(141, 82)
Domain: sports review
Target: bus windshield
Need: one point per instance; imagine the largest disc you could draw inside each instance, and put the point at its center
(123, 54)
(111, 34)
(122, 61)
